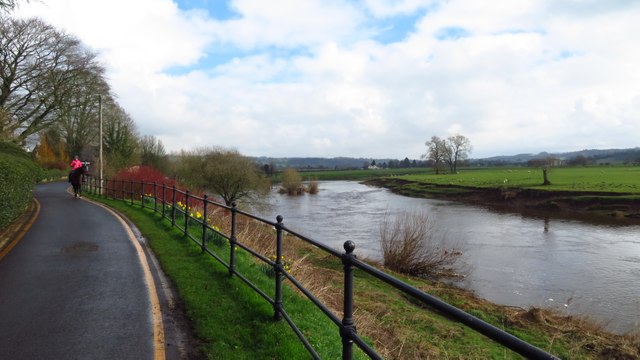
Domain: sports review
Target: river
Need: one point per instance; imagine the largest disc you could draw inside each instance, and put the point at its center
(577, 268)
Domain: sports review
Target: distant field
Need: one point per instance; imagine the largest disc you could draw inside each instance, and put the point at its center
(623, 179)
(356, 175)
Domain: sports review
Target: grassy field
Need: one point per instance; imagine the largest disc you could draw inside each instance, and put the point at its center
(233, 322)
(620, 179)
(617, 179)
(355, 175)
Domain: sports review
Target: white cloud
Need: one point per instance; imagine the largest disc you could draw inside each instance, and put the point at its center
(307, 79)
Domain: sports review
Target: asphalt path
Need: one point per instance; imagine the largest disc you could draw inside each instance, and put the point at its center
(74, 287)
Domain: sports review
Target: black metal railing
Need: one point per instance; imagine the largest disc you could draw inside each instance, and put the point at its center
(170, 197)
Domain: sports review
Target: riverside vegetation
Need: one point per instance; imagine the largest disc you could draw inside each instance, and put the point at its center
(234, 322)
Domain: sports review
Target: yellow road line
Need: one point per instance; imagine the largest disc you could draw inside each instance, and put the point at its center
(22, 231)
(156, 311)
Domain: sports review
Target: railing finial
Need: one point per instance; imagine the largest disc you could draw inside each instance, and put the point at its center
(349, 246)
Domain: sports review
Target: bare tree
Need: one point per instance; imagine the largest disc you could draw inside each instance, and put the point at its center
(225, 172)
(120, 138)
(79, 117)
(39, 72)
(458, 149)
(8, 5)
(152, 152)
(436, 152)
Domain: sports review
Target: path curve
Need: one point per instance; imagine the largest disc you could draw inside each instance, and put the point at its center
(77, 287)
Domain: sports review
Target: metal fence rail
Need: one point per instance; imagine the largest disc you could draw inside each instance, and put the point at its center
(168, 201)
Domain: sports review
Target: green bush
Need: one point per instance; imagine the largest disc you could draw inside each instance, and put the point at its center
(18, 175)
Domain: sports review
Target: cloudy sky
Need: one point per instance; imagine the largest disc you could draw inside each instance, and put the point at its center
(368, 78)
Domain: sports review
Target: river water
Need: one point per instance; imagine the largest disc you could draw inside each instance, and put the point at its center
(573, 267)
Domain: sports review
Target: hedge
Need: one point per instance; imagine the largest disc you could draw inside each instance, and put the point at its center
(18, 175)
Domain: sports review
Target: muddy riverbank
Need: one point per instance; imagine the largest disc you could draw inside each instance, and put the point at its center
(594, 207)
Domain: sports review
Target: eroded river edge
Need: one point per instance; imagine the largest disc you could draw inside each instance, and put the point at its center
(607, 208)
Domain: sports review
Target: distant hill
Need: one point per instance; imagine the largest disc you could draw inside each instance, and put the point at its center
(596, 156)
(318, 163)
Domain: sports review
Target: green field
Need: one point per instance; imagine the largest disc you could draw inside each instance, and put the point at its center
(619, 179)
(616, 179)
(355, 175)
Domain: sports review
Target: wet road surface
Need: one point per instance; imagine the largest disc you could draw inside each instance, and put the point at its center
(74, 286)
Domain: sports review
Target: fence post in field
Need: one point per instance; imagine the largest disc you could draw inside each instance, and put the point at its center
(133, 189)
(233, 240)
(204, 222)
(348, 328)
(186, 213)
(122, 190)
(114, 189)
(173, 207)
(277, 306)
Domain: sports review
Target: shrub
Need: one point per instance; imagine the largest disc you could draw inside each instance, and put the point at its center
(148, 175)
(312, 187)
(291, 182)
(409, 246)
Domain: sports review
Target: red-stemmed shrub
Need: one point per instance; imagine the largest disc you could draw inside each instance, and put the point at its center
(133, 177)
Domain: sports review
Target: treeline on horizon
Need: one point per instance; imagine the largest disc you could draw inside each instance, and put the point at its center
(629, 156)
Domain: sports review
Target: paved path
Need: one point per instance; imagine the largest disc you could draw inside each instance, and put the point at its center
(74, 287)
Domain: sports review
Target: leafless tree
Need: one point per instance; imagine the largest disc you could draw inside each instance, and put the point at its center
(78, 118)
(224, 172)
(120, 137)
(458, 148)
(7, 5)
(436, 152)
(152, 152)
(40, 69)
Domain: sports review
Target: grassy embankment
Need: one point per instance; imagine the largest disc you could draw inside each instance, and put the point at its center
(601, 191)
(233, 322)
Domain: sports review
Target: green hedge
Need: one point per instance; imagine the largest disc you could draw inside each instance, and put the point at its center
(18, 175)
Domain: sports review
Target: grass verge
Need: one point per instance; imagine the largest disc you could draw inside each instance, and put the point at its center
(229, 318)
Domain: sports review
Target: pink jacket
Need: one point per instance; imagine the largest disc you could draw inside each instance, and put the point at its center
(76, 164)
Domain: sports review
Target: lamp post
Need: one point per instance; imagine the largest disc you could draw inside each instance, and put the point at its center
(100, 153)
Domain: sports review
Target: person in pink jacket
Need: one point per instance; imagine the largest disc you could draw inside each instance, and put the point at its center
(76, 163)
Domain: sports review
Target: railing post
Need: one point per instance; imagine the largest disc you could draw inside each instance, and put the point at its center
(277, 306)
(133, 190)
(204, 223)
(164, 199)
(122, 190)
(173, 207)
(155, 198)
(142, 192)
(348, 328)
(186, 214)
(233, 240)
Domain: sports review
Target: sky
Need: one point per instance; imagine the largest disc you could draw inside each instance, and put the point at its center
(367, 78)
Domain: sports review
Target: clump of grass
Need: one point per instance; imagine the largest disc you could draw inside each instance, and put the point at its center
(312, 187)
